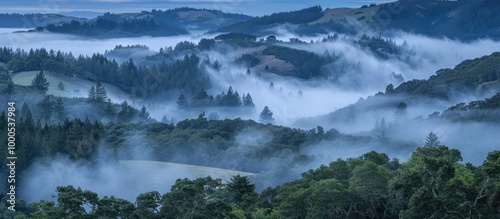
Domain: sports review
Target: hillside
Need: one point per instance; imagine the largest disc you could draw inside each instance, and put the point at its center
(34, 20)
(464, 20)
(147, 23)
(73, 87)
(477, 78)
(155, 172)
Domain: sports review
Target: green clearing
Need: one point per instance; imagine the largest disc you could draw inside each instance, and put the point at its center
(148, 172)
(74, 87)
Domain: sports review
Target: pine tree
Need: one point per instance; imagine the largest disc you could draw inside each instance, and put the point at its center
(181, 101)
(247, 101)
(59, 109)
(60, 86)
(432, 140)
(143, 114)
(266, 116)
(91, 94)
(239, 186)
(10, 87)
(40, 82)
(109, 108)
(45, 106)
(100, 92)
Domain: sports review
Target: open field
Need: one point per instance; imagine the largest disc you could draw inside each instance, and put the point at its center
(158, 173)
(74, 87)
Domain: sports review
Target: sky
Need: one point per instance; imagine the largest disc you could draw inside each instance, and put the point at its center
(250, 7)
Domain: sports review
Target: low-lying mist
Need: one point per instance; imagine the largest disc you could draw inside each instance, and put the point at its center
(359, 73)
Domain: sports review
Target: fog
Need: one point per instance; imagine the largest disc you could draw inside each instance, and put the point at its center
(79, 45)
(363, 75)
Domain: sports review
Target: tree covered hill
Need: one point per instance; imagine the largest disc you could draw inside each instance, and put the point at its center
(433, 182)
(478, 77)
(34, 20)
(154, 23)
(463, 19)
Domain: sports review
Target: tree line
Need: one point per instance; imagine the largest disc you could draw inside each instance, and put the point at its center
(431, 183)
(140, 81)
(202, 99)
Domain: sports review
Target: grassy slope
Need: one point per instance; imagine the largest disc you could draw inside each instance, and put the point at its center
(151, 171)
(73, 87)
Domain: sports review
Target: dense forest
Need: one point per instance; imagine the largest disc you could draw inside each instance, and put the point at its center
(295, 17)
(432, 183)
(229, 103)
(183, 74)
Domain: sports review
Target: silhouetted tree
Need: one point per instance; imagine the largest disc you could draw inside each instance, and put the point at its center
(432, 140)
(266, 116)
(40, 82)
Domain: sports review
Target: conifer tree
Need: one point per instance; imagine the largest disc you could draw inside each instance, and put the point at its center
(266, 116)
(91, 94)
(40, 82)
(100, 93)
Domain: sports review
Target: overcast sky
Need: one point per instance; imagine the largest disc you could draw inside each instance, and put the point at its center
(250, 7)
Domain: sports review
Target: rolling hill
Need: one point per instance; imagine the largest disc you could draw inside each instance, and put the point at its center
(147, 23)
(74, 87)
(464, 20)
(34, 20)
(156, 172)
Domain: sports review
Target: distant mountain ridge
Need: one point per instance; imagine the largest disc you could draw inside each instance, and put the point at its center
(34, 20)
(464, 19)
(154, 23)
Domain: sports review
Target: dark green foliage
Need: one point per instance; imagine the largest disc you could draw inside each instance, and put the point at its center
(127, 112)
(238, 187)
(247, 60)
(248, 101)
(382, 48)
(100, 93)
(111, 23)
(295, 17)
(235, 37)
(40, 82)
(184, 45)
(225, 99)
(266, 116)
(143, 114)
(487, 110)
(194, 199)
(206, 44)
(183, 74)
(181, 101)
(60, 86)
(308, 64)
(465, 77)
(432, 140)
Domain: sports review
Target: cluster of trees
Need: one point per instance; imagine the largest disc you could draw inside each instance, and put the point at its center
(481, 110)
(141, 81)
(465, 77)
(97, 93)
(308, 64)
(432, 183)
(111, 22)
(202, 99)
(295, 17)
(248, 60)
(235, 36)
(382, 48)
(76, 138)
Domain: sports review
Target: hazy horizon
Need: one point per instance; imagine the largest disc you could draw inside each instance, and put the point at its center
(253, 7)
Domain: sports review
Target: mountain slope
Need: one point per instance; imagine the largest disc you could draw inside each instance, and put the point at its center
(464, 20)
(154, 23)
(34, 20)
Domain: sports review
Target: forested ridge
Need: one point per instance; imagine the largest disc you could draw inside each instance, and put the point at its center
(432, 183)
(141, 81)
